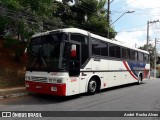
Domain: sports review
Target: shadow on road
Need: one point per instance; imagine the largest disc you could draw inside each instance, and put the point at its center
(40, 99)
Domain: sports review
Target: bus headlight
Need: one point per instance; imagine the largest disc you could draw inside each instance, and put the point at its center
(27, 85)
(59, 80)
(27, 78)
(54, 80)
(50, 80)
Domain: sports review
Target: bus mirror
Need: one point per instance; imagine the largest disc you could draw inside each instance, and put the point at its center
(73, 51)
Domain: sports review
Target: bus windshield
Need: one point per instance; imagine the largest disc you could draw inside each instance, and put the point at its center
(48, 53)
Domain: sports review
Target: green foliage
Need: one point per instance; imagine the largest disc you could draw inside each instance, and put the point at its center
(87, 14)
(26, 18)
(16, 46)
(23, 18)
(151, 50)
(9, 42)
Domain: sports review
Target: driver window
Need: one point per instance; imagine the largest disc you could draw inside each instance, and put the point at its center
(83, 40)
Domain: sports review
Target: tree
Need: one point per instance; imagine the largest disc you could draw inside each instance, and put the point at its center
(97, 19)
(151, 50)
(21, 18)
(86, 14)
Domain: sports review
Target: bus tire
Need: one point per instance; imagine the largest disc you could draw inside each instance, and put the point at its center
(139, 79)
(92, 86)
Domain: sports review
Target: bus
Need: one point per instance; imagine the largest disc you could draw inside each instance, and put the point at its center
(71, 61)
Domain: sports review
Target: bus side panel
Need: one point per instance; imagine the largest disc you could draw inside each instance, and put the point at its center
(105, 81)
(114, 76)
(131, 77)
(85, 76)
(147, 72)
(72, 86)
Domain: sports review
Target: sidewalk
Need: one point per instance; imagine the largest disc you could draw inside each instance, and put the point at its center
(153, 78)
(12, 92)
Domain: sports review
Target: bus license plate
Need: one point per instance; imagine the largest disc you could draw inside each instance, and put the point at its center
(53, 88)
(38, 87)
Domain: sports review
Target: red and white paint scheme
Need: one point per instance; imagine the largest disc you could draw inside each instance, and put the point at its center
(71, 61)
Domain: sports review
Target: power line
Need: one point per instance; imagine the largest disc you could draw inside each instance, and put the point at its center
(136, 26)
(116, 11)
(148, 14)
(136, 30)
(148, 8)
(145, 14)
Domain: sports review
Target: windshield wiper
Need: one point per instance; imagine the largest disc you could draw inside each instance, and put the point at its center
(39, 57)
(44, 62)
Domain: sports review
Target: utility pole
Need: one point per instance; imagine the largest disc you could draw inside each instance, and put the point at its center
(148, 31)
(135, 45)
(155, 57)
(108, 12)
(147, 35)
(108, 17)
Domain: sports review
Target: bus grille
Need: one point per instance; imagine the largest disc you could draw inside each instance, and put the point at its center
(39, 79)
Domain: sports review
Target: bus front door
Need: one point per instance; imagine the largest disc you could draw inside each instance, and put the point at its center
(74, 69)
(74, 62)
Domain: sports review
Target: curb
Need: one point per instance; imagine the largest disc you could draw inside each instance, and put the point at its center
(153, 78)
(13, 92)
(13, 95)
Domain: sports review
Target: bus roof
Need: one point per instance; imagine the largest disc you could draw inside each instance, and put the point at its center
(84, 32)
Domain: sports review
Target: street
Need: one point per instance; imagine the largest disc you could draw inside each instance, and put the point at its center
(144, 97)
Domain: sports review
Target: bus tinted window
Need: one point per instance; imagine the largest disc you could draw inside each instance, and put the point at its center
(136, 56)
(79, 38)
(99, 48)
(104, 49)
(133, 55)
(125, 53)
(140, 56)
(146, 58)
(84, 46)
(114, 51)
(118, 52)
(95, 47)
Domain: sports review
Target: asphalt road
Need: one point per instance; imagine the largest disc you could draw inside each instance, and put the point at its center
(144, 97)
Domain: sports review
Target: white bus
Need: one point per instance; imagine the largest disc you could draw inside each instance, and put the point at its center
(71, 61)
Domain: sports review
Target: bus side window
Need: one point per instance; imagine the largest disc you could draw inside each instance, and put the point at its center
(125, 53)
(83, 40)
(136, 56)
(146, 58)
(133, 55)
(114, 51)
(140, 56)
(99, 48)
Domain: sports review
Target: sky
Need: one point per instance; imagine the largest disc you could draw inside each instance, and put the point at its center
(131, 28)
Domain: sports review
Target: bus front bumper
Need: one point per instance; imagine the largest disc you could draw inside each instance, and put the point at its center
(46, 88)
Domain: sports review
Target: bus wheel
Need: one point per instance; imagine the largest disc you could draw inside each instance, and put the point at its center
(92, 87)
(139, 80)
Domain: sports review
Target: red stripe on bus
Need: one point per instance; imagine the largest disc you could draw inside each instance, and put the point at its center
(129, 70)
(45, 88)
